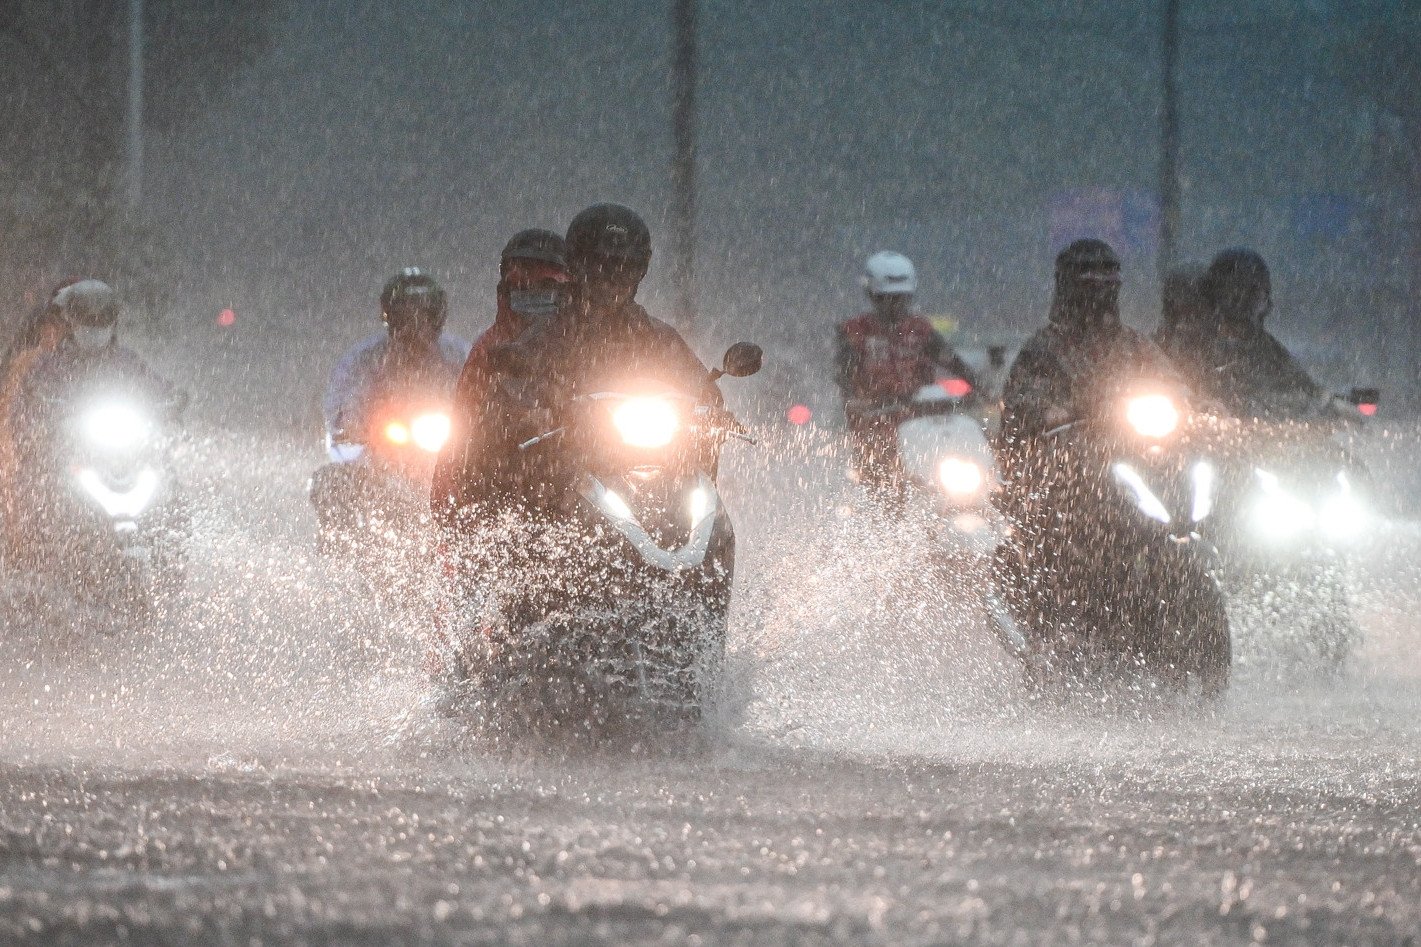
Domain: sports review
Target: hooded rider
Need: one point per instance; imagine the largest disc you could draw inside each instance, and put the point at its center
(1228, 356)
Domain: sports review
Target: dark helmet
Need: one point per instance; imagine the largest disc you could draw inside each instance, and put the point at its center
(412, 302)
(609, 238)
(1239, 286)
(1090, 259)
(534, 244)
(1087, 285)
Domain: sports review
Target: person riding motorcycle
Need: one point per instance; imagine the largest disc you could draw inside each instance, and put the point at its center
(533, 284)
(39, 334)
(883, 357)
(86, 362)
(1094, 574)
(412, 356)
(598, 334)
(1064, 370)
(1227, 356)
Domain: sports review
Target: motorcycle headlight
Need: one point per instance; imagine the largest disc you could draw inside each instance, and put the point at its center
(430, 431)
(960, 477)
(116, 427)
(1342, 516)
(397, 433)
(1277, 515)
(646, 422)
(1152, 416)
(124, 504)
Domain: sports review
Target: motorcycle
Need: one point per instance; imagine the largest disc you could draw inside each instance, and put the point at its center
(949, 468)
(374, 496)
(113, 524)
(608, 612)
(1294, 507)
(1107, 567)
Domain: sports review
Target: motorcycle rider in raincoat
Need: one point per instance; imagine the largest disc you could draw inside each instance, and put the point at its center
(883, 357)
(1064, 370)
(411, 356)
(533, 284)
(599, 332)
(86, 362)
(1220, 346)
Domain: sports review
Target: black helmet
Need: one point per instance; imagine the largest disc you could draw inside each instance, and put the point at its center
(609, 237)
(1239, 286)
(1089, 259)
(534, 244)
(1087, 286)
(412, 302)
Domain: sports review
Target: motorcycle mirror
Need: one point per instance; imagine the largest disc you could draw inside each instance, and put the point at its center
(742, 360)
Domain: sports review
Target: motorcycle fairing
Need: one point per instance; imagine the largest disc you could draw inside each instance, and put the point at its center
(616, 510)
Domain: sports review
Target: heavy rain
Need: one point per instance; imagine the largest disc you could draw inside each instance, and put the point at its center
(1045, 569)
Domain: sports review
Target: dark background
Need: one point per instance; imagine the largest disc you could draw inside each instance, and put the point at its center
(297, 153)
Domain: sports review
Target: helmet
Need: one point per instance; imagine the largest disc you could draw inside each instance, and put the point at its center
(1088, 260)
(609, 238)
(412, 302)
(1238, 285)
(541, 245)
(1087, 286)
(88, 303)
(887, 273)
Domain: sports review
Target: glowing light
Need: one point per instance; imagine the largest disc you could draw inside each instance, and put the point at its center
(1368, 410)
(956, 387)
(1278, 515)
(1203, 477)
(430, 431)
(617, 505)
(646, 422)
(700, 505)
(1152, 415)
(960, 477)
(121, 504)
(1145, 498)
(226, 317)
(116, 426)
(396, 432)
(800, 414)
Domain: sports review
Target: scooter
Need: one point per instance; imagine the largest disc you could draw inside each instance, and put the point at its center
(606, 613)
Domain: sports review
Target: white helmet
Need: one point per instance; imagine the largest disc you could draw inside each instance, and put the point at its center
(887, 273)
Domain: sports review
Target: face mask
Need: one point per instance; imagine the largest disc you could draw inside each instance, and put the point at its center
(533, 303)
(93, 338)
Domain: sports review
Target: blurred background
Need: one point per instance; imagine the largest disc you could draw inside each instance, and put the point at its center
(280, 159)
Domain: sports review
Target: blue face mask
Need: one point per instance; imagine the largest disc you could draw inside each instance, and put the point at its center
(533, 303)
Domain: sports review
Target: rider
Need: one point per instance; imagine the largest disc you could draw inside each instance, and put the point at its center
(412, 355)
(599, 334)
(43, 331)
(883, 357)
(533, 284)
(86, 359)
(1234, 361)
(1066, 367)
